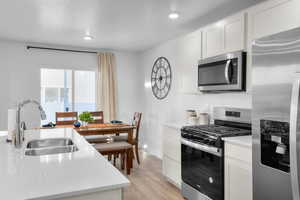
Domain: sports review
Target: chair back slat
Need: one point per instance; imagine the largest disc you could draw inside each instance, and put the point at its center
(137, 123)
(98, 117)
(60, 118)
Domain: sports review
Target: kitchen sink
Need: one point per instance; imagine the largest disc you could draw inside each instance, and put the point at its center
(53, 150)
(50, 146)
(49, 142)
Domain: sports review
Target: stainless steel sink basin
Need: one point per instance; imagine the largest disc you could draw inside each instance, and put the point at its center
(52, 150)
(50, 146)
(50, 142)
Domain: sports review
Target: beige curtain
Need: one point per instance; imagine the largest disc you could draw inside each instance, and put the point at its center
(106, 85)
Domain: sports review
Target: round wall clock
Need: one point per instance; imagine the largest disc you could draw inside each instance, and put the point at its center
(161, 78)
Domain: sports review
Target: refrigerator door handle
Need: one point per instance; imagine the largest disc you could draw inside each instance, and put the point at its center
(294, 140)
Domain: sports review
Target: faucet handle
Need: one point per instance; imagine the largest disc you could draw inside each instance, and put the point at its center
(23, 128)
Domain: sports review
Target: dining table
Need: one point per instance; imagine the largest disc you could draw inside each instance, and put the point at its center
(105, 129)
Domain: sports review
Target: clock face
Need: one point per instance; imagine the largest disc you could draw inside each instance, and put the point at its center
(161, 78)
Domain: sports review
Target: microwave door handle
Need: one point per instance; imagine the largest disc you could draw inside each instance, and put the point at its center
(295, 140)
(227, 71)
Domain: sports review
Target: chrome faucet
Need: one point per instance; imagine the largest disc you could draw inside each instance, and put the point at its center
(18, 139)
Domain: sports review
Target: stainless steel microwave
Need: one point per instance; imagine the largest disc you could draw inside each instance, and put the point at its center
(223, 73)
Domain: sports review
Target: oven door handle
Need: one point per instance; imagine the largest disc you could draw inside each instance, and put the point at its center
(213, 150)
(227, 71)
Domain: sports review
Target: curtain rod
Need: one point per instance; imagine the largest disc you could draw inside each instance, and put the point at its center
(57, 49)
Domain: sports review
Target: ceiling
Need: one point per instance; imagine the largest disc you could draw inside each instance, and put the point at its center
(132, 25)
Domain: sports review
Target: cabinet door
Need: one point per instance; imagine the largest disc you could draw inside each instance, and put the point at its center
(234, 30)
(172, 170)
(225, 36)
(213, 40)
(238, 180)
(272, 17)
(190, 54)
(171, 143)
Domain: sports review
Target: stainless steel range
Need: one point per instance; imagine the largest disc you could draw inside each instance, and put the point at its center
(202, 153)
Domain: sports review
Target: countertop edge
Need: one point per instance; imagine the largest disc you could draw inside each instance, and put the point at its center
(82, 192)
(244, 141)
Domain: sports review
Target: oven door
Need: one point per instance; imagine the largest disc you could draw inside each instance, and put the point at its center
(202, 171)
(221, 73)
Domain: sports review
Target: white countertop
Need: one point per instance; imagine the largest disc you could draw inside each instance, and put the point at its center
(240, 140)
(176, 125)
(57, 175)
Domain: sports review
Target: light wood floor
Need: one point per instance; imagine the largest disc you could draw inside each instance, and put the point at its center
(148, 183)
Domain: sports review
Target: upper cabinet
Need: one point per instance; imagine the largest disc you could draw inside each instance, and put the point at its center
(272, 17)
(190, 52)
(234, 33)
(213, 41)
(225, 36)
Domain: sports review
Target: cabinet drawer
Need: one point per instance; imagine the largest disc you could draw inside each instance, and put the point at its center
(238, 152)
(171, 143)
(172, 170)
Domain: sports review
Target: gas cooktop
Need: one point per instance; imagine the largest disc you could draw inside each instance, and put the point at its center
(212, 134)
(216, 130)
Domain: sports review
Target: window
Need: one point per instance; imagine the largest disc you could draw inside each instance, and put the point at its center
(67, 90)
(51, 95)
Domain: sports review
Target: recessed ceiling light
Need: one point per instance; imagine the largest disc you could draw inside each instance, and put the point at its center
(87, 37)
(174, 15)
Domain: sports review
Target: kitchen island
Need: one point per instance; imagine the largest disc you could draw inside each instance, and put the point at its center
(83, 174)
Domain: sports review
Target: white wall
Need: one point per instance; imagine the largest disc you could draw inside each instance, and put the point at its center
(183, 54)
(20, 77)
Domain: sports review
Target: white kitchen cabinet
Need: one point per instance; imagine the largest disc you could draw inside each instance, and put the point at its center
(238, 172)
(225, 36)
(172, 171)
(213, 40)
(234, 33)
(273, 16)
(190, 52)
(172, 154)
(238, 184)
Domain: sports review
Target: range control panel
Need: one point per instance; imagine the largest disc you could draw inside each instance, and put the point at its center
(232, 114)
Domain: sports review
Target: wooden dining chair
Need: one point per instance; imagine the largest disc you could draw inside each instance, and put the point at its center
(117, 148)
(98, 117)
(66, 118)
(137, 123)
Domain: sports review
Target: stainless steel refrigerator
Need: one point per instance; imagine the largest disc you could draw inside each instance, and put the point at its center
(276, 116)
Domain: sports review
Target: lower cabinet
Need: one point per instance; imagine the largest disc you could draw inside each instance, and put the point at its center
(172, 171)
(172, 155)
(238, 173)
